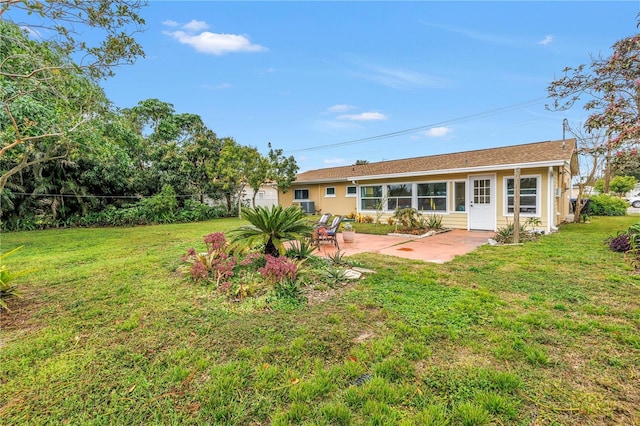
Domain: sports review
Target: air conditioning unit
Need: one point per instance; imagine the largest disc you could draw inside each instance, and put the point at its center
(309, 207)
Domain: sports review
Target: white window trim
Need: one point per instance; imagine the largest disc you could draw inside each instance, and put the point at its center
(414, 196)
(301, 199)
(447, 197)
(346, 191)
(329, 195)
(411, 185)
(505, 207)
(466, 195)
(359, 195)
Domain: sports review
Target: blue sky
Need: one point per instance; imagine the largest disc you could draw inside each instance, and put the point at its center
(313, 78)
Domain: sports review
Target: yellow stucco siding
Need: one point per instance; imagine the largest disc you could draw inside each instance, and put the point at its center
(334, 199)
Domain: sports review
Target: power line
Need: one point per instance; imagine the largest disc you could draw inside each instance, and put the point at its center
(426, 126)
(135, 197)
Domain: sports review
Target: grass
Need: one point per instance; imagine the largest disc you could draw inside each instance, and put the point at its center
(107, 332)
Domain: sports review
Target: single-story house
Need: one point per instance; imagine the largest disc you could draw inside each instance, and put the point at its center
(267, 195)
(471, 190)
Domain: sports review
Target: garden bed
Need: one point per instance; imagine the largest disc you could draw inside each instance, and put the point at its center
(419, 233)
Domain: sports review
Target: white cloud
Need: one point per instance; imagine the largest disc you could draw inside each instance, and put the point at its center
(170, 23)
(437, 132)
(340, 108)
(195, 26)
(223, 86)
(193, 34)
(548, 39)
(334, 160)
(32, 32)
(476, 35)
(400, 78)
(364, 116)
(217, 44)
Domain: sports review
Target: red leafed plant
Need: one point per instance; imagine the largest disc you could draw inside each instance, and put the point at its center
(278, 269)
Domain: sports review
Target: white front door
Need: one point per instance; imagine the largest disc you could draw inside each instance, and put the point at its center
(482, 203)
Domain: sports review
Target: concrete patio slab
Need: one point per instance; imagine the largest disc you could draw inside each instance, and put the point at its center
(438, 248)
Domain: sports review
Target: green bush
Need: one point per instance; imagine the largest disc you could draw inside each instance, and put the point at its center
(7, 276)
(161, 207)
(606, 205)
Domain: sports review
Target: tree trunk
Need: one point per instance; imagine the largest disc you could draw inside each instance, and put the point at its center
(607, 169)
(580, 203)
(227, 196)
(271, 249)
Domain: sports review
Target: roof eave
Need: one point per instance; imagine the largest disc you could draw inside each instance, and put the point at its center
(478, 169)
(316, 181)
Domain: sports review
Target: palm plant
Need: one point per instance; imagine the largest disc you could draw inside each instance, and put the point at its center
(272, 227)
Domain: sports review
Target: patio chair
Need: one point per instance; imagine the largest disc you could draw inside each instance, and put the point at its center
(328, 233)
(324, 219)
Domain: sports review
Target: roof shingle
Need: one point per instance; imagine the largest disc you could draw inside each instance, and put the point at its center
(539, 152)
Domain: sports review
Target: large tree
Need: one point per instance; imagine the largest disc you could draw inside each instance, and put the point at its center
(592, 157)
(237, 167)
(282, 169)
(609, 89)
(176, 148)
(49, 73)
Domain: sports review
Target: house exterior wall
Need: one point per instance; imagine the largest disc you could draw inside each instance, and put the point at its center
(327, 197)
(551, 194)
(267, 196)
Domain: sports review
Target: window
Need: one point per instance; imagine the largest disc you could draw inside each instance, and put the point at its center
(482, 191)
(301, 194)
(459, 196)
(330, 191)
(370, 197)
(352, 191)
(432, 196)
(260, 195)
(398, 196)
(528, 195)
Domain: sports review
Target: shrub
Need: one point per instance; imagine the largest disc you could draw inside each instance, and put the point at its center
(161, 207)
(7, 288)
(278, 269)
(300, 250)
(432, 221)
(505, 234)
(407, 218)
(194, 211)
(620, 243)
(215, 265)
(606, 205)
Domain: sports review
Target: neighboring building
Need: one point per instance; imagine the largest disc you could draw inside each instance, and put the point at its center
(471, 190)
(267, 195)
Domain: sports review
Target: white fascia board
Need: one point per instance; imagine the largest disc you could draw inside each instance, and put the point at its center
(315, 182)
(479, 169)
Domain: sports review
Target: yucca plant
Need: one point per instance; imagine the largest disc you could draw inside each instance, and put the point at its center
(272, 227)
(7, 289)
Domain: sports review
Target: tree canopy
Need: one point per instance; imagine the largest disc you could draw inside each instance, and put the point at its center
(64, 148)
(609, 88)
(48, 74)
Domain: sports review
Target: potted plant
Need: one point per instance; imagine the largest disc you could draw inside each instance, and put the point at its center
(348, 233)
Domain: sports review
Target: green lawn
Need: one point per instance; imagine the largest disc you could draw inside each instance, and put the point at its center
(109, 333)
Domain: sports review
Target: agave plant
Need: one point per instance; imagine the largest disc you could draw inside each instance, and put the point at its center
(272, 227)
